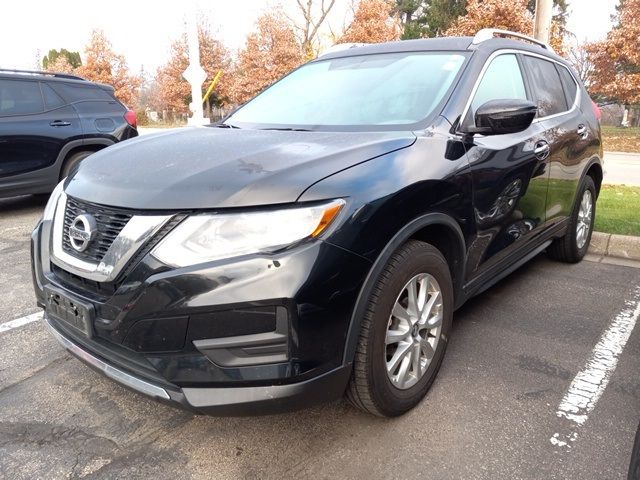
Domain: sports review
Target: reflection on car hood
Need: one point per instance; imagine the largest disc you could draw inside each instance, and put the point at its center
(212, 168)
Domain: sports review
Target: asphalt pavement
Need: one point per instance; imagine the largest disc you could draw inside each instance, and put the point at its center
(515, 353)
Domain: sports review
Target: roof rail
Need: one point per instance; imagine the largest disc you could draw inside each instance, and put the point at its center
(341, 46)
(39, 72)
(489, 33)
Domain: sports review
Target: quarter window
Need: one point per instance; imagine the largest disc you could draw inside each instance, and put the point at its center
(20, 97)
(547, 86)
(570, 87)
(501, 80)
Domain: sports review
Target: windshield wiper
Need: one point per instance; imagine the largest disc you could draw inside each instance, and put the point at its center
(289, 129)
(225, 125)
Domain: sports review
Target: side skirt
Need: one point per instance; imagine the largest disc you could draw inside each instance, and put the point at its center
(521, 256)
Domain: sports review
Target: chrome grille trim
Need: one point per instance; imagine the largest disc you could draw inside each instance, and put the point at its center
(137, 231)
(110, 224)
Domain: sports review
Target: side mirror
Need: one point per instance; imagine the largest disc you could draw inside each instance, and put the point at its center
(497, 117)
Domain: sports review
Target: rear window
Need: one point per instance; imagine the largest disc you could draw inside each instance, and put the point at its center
(547, 86)
(20, 97)
(78, 93)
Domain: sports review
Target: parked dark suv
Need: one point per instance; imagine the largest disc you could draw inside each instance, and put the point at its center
(319, 239)
(49, 122)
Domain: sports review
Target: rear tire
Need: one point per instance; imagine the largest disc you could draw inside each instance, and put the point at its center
(71, 164)
(573, 246)
(376, 386)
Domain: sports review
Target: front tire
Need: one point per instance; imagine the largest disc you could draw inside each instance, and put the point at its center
(71, 164)
(573, 246)
(404, 332)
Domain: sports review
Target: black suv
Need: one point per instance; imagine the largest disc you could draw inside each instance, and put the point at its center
(49, 122)
(319, 239)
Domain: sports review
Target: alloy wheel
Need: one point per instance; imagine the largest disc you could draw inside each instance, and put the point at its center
(413, 331)
(584, 219)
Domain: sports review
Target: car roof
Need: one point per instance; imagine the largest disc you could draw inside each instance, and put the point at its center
(456, 44)
(50, 77)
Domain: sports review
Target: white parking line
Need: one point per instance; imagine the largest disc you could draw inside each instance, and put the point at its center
(19, 322)
(589, 384)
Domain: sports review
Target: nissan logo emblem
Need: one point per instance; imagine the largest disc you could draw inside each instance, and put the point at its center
(81, 231)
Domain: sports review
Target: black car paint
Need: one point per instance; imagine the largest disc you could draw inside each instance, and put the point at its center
(228, 168)
(477, 198)
(34, 147)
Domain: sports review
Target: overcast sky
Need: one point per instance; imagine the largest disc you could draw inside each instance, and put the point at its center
(144, 30)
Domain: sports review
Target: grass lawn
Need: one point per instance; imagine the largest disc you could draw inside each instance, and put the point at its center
(618, 139)
(618, 210)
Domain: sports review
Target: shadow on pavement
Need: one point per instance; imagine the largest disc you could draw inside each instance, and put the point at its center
(16, 205)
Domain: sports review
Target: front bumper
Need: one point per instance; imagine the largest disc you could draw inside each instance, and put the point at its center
(251, 336)
(222, 401)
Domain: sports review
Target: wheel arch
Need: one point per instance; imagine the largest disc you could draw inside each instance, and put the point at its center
(75, 146)
(438, 229)
(594, 170)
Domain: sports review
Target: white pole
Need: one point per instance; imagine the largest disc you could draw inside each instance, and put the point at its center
(542, 22)
(194, 73)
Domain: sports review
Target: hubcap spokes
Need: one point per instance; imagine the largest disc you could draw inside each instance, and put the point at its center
(413, 330)
(584, 219)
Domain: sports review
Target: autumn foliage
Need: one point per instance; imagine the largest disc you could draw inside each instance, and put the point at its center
(271, 52)
(102, 64)
(502, 14)
(616, 60)
(60, 65)
(373, 22)
(173, 92)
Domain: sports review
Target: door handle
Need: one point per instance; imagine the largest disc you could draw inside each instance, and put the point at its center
(60, 123)
(541, 150)
(582, 131)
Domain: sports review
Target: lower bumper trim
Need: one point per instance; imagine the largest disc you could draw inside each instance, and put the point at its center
(223, 401)
(110, 371)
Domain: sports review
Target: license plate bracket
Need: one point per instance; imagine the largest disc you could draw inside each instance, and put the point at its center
(69, 310)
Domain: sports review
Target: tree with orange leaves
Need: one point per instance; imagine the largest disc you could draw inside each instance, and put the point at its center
(60, 65)
(173, 91)
(271, 52)
(374, 21)
(102, 64)
(616, 60)
(503, 14)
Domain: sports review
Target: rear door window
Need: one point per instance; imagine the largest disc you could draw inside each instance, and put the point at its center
(547, 86)
(20, 97)
(51, 99)
(501, 80)
(77, 93)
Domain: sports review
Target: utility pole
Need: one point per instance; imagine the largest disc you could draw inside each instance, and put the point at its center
(542, 21)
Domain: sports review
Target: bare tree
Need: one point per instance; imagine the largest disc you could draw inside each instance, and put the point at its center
(314, 13)
(580, 58)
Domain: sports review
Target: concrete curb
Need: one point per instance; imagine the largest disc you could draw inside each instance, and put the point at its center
(620, 246)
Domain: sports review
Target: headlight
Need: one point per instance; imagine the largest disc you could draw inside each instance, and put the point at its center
(50, 209)
(203, 238)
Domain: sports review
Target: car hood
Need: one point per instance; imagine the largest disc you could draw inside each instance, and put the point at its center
(213, 167)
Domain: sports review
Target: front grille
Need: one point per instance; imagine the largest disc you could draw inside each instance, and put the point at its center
(110, 223)
(100, 291)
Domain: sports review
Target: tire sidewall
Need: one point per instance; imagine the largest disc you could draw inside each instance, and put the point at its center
(587, 184)
(392, 400)
(71, 164)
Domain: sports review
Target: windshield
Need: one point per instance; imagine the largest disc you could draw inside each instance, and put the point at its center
(389, 89)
